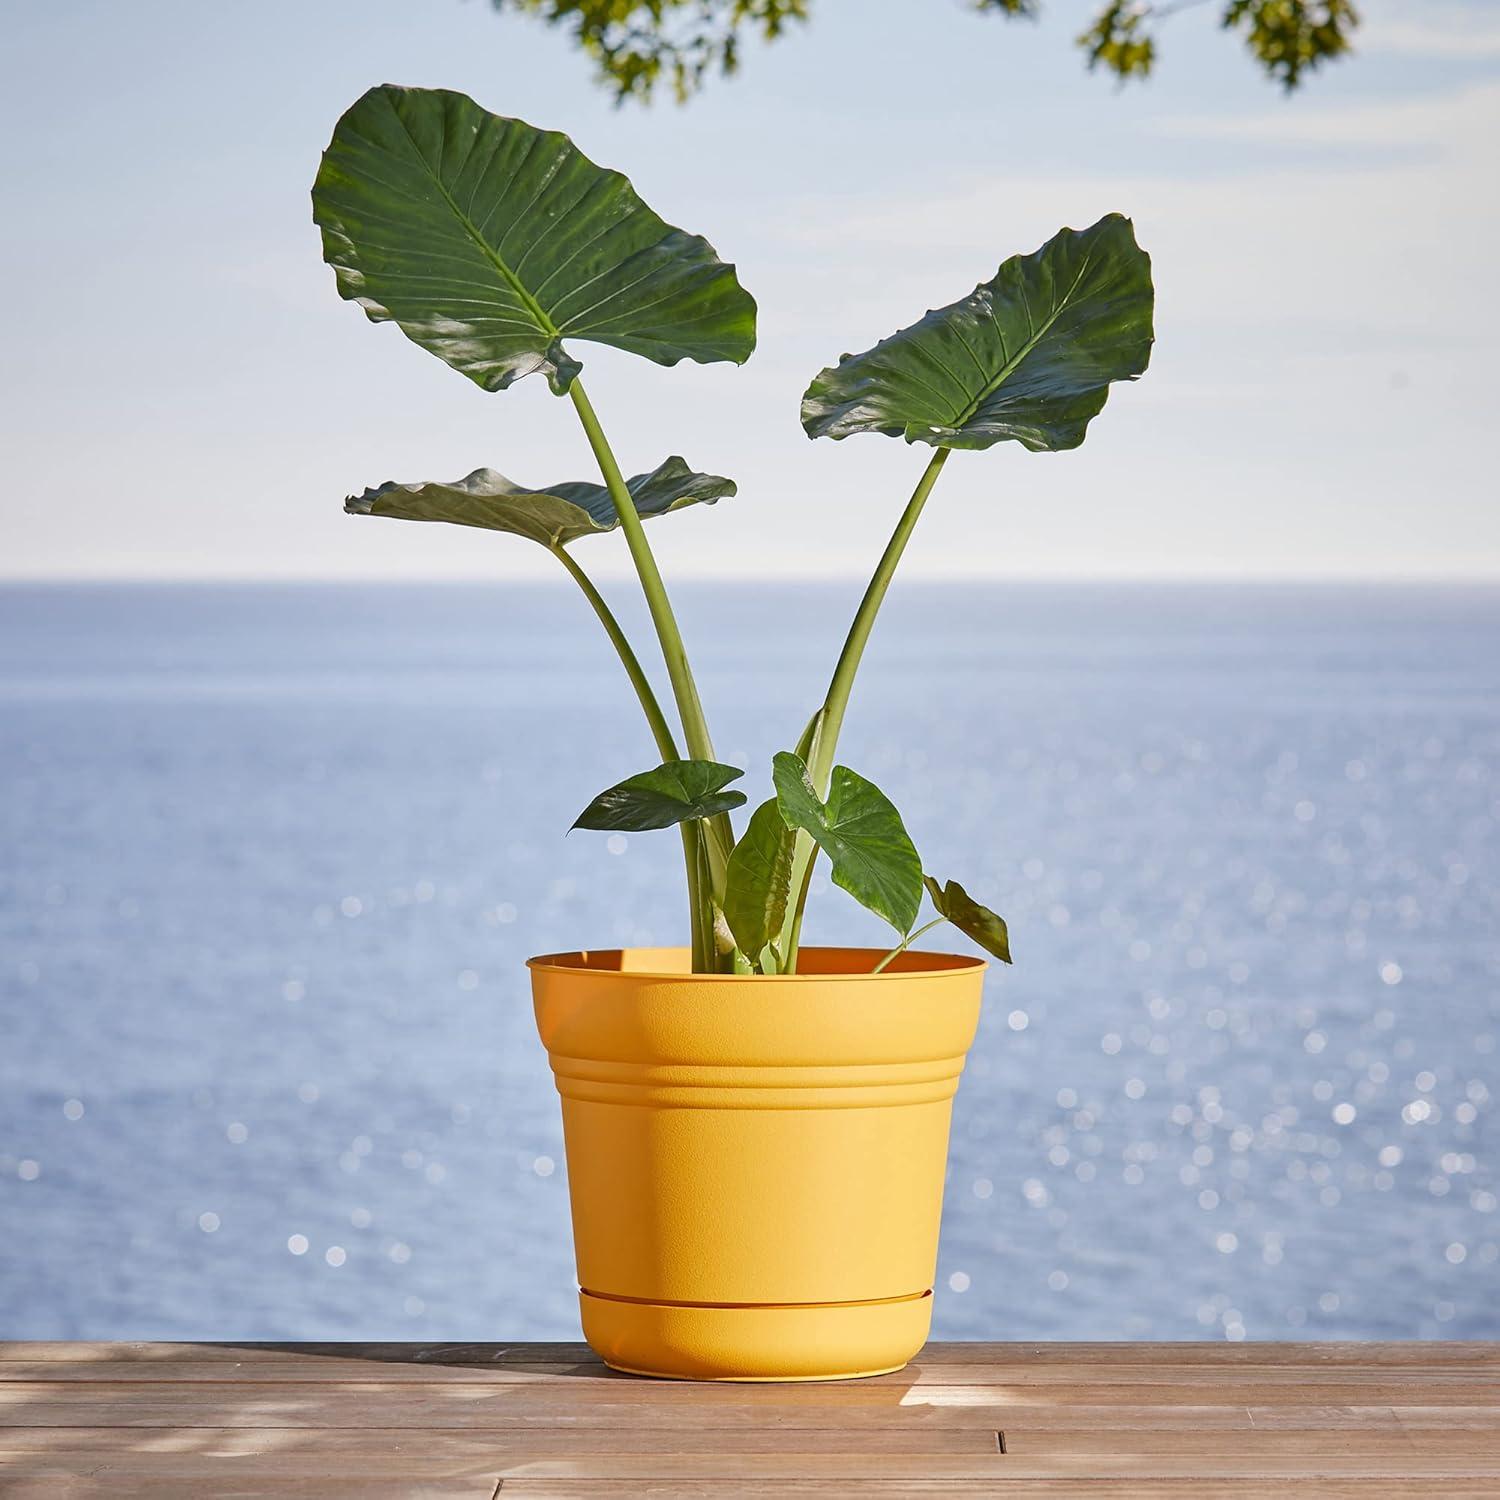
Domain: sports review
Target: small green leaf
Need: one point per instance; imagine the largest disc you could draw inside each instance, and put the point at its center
(554, 516)
(1028, 356)
(757, 884)
(489, 242)
(672, 793)
(973, 920)
(862, 834)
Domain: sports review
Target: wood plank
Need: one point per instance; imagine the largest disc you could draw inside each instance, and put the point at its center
(1174, 1355)
(350, 1404)
(288, 1368)
(1218, 1353)
(1337, 1463)
(539, 1442)
(71, 1486)
(501, 1421)
(1340, 1460)
(842, 1473)
(137, 1351)
(1139, 1489)
(917, 1429)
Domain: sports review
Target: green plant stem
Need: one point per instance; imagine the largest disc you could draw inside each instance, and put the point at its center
(684, 689)
(661, 732)
(842, 684)
(717, 836)
(674, 653)
(803, 862)
(906, 943)
(824, 739)
(692, 843)
(703, 912)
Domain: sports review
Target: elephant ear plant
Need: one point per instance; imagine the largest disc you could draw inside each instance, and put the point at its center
(497, 246)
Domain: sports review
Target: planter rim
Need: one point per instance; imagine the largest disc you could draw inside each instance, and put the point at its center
(911, 964)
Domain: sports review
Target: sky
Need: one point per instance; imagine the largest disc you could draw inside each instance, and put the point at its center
(183, 394)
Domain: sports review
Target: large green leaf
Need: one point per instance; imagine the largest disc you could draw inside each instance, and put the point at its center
(554, 516)
(489, 242)
(757, 882)
(672, 793)
(987, 928)
(862, 834)
(1029, 355)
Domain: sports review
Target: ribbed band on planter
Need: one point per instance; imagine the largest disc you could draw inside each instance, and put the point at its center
(854, 1087)
(756, 1164)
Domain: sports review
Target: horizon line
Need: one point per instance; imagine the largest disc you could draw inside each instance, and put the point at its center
(428, 580)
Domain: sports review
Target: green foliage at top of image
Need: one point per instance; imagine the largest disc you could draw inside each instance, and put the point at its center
(498, 247)
(642, 46)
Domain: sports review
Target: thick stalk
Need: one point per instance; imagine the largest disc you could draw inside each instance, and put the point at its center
(661, 732)
(694, 726)
(842, 683)
(825, 739)
(697, 882)
(803, 860)
(704, 915)
(684, 689)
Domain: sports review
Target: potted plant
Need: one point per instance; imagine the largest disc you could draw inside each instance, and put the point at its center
(756, 1130)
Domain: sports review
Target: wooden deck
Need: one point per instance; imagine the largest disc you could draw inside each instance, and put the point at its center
(481, 1421)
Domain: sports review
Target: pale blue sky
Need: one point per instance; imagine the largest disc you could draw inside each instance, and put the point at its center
(183, 394)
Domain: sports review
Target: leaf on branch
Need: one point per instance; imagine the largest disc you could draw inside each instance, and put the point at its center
(672, 793)
(862, 834)
(757, 883)
(1291, 37)
(642, 46)
(488, 242)
(638, 46)
(1028, 356)
(987, 928)
(1117, 39)
(554, 516)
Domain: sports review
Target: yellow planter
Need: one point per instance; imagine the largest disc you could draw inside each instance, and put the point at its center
(756, 1164)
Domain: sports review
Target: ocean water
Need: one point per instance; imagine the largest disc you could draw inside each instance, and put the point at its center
(271, 859)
